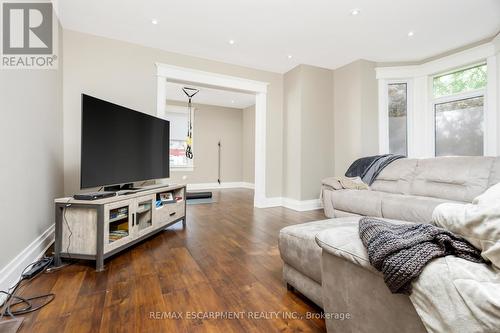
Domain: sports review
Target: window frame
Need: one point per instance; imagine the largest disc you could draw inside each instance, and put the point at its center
(482, 92)
(182, 110)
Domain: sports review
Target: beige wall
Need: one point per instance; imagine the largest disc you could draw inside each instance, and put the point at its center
(211, 125)
(125, 73)
(355, 113)
(308, 124)
(31, 155)
(248, 139)
(317, 124)
(292, 133)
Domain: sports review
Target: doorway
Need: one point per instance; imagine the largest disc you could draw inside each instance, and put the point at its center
(175, 74)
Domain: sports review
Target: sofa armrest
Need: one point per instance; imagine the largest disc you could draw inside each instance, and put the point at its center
(343, 241)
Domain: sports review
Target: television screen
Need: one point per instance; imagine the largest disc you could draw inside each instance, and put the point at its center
(120, 145)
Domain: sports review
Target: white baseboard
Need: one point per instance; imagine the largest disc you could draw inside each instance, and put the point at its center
(214, 186)
(297, 205)
(302, 205)
(10, 274)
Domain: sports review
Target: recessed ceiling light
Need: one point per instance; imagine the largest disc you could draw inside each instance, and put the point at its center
(154, 21)
(411, 33)
(232, 101)
(355, 12)
(231, 41)
(289, 56)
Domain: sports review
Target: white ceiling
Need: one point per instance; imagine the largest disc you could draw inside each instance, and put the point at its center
(315, 32)
(210, 96)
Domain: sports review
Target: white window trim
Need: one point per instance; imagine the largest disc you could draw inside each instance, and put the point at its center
(384, 116)
(421, 123)
(183, 110)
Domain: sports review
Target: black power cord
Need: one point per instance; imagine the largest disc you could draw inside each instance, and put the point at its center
(67, 226)
(12, 305)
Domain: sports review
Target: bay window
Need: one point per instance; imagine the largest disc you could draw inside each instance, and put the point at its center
(458, 104)
(448, 106)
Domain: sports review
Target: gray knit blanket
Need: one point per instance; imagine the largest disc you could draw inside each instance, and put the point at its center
(401, 251)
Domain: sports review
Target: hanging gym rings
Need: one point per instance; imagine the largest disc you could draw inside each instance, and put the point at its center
(190, 92)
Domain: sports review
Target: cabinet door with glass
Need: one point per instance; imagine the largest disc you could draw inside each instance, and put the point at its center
(143, 215)
(118, 219)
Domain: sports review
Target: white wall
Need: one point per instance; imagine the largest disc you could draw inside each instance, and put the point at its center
(31, 158)
(125, 74)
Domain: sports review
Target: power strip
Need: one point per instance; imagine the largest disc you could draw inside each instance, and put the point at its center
(37, 268)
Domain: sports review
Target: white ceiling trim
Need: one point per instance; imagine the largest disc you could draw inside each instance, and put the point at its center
(210, 79)
(450, 62)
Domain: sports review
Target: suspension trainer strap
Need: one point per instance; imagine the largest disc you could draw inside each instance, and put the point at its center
(190, 92)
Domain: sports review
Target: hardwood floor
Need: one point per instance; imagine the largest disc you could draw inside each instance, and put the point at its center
(226, 261)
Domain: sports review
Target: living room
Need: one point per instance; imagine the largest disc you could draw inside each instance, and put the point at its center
(325, 166)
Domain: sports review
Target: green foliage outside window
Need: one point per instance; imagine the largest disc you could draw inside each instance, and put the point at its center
(461, 81)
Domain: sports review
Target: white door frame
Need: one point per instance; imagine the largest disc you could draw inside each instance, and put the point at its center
(174, 73)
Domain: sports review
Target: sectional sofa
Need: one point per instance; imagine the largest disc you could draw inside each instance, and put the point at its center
(326, 261)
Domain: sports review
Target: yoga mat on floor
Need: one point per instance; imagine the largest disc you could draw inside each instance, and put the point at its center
(198, 195)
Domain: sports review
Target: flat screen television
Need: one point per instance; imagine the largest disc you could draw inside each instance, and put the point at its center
(120, 145)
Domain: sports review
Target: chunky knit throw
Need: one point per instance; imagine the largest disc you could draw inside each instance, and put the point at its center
(401, 251)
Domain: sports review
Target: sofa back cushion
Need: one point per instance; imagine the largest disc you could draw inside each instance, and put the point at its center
(495, 172)
(453, 178)
(396, 177)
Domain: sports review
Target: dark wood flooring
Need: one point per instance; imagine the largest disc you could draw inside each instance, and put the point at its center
(226, 262)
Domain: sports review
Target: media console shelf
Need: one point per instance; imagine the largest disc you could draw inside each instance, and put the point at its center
(98, 229)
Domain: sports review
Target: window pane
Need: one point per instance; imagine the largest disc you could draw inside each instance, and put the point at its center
(397, 118)
(459, 127)
(460, 81)
(178, 153)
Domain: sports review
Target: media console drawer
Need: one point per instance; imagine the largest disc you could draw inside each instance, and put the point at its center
(170, 212)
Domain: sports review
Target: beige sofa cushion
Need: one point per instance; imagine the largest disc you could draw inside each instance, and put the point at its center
(299, 249)
(494, 172)
(361, 202)
(409, 207)
(343, 241)
(396, 177)
(453, 178)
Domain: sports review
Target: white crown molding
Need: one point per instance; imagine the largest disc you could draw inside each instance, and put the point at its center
(496, 43)
(459, 59)
(9, 275)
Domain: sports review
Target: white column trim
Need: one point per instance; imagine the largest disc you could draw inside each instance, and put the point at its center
(383, 117)
(260, 149)
(491, 109)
